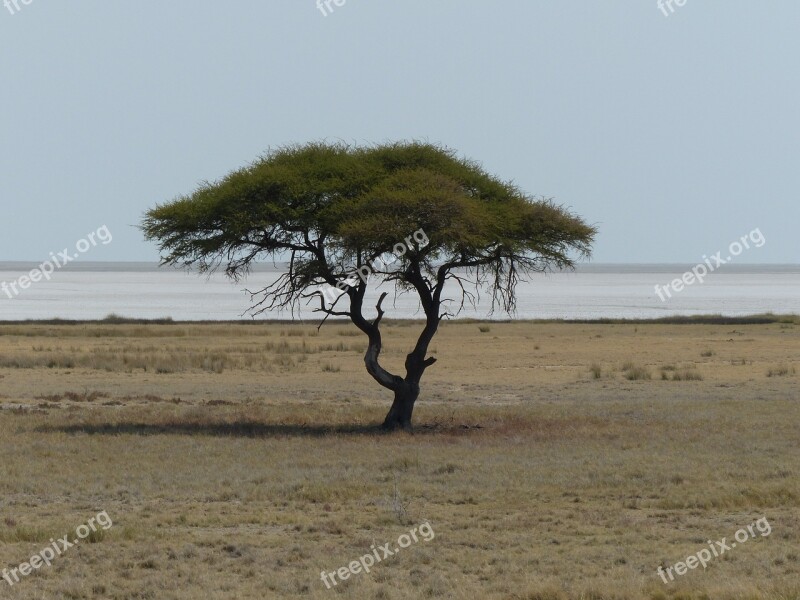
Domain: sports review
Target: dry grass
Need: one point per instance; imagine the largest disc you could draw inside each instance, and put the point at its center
(545, 473)
(782, 370)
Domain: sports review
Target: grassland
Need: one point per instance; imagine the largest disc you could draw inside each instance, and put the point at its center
(552, 460)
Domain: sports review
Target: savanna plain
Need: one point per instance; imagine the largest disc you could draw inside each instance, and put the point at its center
(551, 460)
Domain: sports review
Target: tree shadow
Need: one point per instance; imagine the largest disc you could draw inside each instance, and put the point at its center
(241, 429)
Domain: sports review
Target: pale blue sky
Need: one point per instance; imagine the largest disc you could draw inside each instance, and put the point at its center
(675, 135)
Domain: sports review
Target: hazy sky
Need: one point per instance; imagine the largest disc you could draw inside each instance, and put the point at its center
(675, 134)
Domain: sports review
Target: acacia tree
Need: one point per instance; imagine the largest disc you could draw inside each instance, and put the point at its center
(333, 209)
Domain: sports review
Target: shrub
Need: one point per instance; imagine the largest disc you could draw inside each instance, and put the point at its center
(781, 371)
(687, 375)
(635, 372)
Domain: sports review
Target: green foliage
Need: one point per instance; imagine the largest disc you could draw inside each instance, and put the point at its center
(332, 207)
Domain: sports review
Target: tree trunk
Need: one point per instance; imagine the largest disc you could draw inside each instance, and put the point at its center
(406, 391)
(399, 416)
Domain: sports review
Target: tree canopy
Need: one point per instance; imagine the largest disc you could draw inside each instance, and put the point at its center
(332, 209)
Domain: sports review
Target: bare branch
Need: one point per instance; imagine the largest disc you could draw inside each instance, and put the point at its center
(377, 320)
